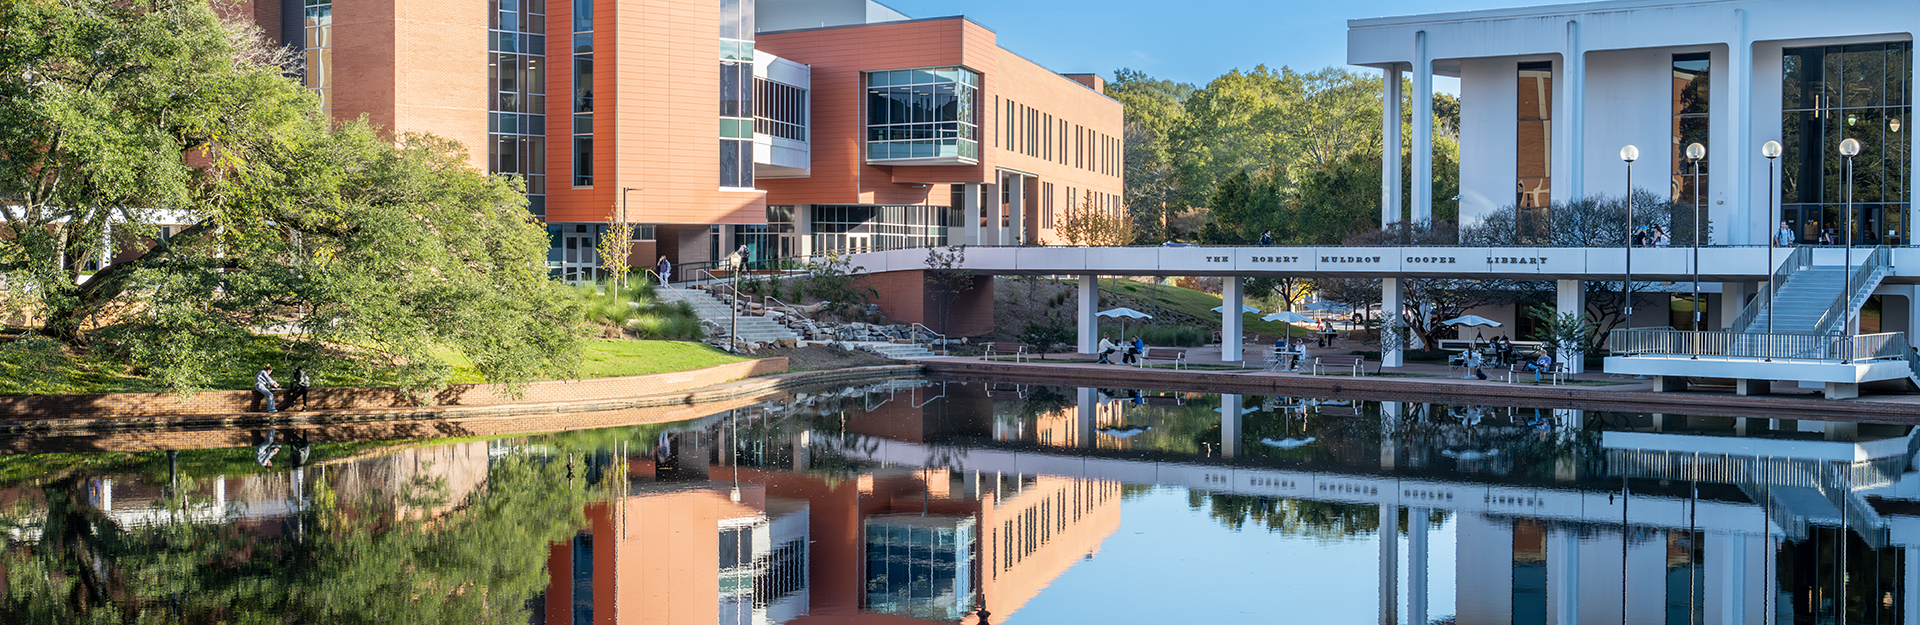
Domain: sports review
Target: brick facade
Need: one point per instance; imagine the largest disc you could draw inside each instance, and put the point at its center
(904, 296)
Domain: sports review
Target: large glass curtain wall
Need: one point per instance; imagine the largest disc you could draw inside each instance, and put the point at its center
(1533, 193)
(736, 94)
(1830, 93)
(865, 227)
(922, 113)
(1690, 125)
(517, 121)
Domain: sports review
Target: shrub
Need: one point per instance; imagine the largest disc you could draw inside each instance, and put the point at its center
(1175, 336)
(635, 309)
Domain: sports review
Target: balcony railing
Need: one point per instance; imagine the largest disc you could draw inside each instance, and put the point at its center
(1756, 346)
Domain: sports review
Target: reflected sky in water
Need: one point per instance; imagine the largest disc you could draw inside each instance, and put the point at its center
(974, 502)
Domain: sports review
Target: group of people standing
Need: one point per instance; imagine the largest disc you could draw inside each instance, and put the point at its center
(1651, 236)
(1134, 349)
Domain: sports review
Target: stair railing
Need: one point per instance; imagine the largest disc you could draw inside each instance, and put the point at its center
(1801, 258)
(1834, 320)
(791, 310)
(940, 338)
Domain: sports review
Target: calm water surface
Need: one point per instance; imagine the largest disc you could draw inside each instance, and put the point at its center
(929, 501)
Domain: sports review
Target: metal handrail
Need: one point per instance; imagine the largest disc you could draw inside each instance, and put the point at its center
(795, 312)
(1752, 345)
(1801, 258)
(916, 336)
(1834, 320)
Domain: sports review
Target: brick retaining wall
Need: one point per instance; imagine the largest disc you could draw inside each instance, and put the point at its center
(228, 402)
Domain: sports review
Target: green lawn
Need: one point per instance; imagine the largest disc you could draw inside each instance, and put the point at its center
(45, 372)
(1197, 304)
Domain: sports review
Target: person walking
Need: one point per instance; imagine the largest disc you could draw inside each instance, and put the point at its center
(1266, 239)
(1661, 238)
(301, 384)
(666, 271)
(1106, 350)
(1784, 236)
(263, 385)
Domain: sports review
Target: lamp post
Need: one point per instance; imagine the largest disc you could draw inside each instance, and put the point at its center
(623, 230)
(1696, 152)
(1629, 154)
(1849, 148)
(1772, 151)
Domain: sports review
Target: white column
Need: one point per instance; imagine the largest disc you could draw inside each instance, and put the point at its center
(1733, 299)
(106, 494)
(1232, 297)
(1389, 564)
(1084, 318)
(970, 215)
(1563, 577)
(1390, 142)
(1422, 129)
(803, 230)
(1229, 425)
(1391, 412)
(1910, 583)
(1391, 292)
(1570, 296)
(1015, 232)
(1726, 582)
(1088, 415)
(1741, 226)
(1569, 180)
(1417, 521)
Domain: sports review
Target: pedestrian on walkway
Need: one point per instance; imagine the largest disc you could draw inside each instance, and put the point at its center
(1266, 239)
(263, 385)
(301, 384)
(666, 271)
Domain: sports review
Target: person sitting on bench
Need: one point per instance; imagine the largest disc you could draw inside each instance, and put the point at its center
(1541, 364)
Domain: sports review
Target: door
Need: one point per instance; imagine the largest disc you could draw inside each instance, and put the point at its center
(580, 262)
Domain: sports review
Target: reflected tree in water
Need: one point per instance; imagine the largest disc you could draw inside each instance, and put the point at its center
(413, 557)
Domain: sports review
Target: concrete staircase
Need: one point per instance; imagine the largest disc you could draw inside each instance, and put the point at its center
(896, 351)
(753, 328)
(1807, 294)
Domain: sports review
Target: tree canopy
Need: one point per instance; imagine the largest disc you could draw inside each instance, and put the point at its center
(118, 116)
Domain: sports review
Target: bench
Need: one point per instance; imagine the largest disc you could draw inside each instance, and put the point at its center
(1017, 350)
(1177, 356)
(1356, 365)
(1555, 372)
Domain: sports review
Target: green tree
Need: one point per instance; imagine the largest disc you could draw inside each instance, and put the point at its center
(121, 114)
(946, 280)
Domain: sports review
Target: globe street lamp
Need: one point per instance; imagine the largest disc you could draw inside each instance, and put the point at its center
(1629, 154)
(1849, 148)
(1772, 151)
(1696, 152)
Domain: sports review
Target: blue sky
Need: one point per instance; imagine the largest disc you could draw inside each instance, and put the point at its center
(1185, 40)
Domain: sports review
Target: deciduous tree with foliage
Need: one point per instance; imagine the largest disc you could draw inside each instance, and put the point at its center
(946, 280)
(124, 114)
(1085, 224)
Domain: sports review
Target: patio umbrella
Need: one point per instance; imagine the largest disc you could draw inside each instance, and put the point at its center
(1287, 316)
(1123, 314)
(1243, 308)
(1472, 320)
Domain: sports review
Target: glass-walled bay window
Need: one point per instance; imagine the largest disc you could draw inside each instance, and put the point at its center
(868, 227)
(1831, 93)
(736, 94)
(516, 118)
(923, 116)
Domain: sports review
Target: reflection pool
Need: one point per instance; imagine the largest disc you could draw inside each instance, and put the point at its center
(920, 500)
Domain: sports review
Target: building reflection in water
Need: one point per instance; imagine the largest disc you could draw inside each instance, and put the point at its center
(916, 501)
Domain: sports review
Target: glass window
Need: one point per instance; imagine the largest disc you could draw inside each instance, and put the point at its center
(921, 113)
(1533, 108)
(582, 16)
(1836, 92)
(583, 161)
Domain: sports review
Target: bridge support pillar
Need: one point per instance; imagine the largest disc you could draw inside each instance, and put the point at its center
(1417, 522)
(1753, 387)
(1570, 297)
(1668, 383)
(1085, 318)
(970, 214)
(1087, 416)
(1229, 426)
(1232, 297)
(1392, 291)
(1842, 390)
